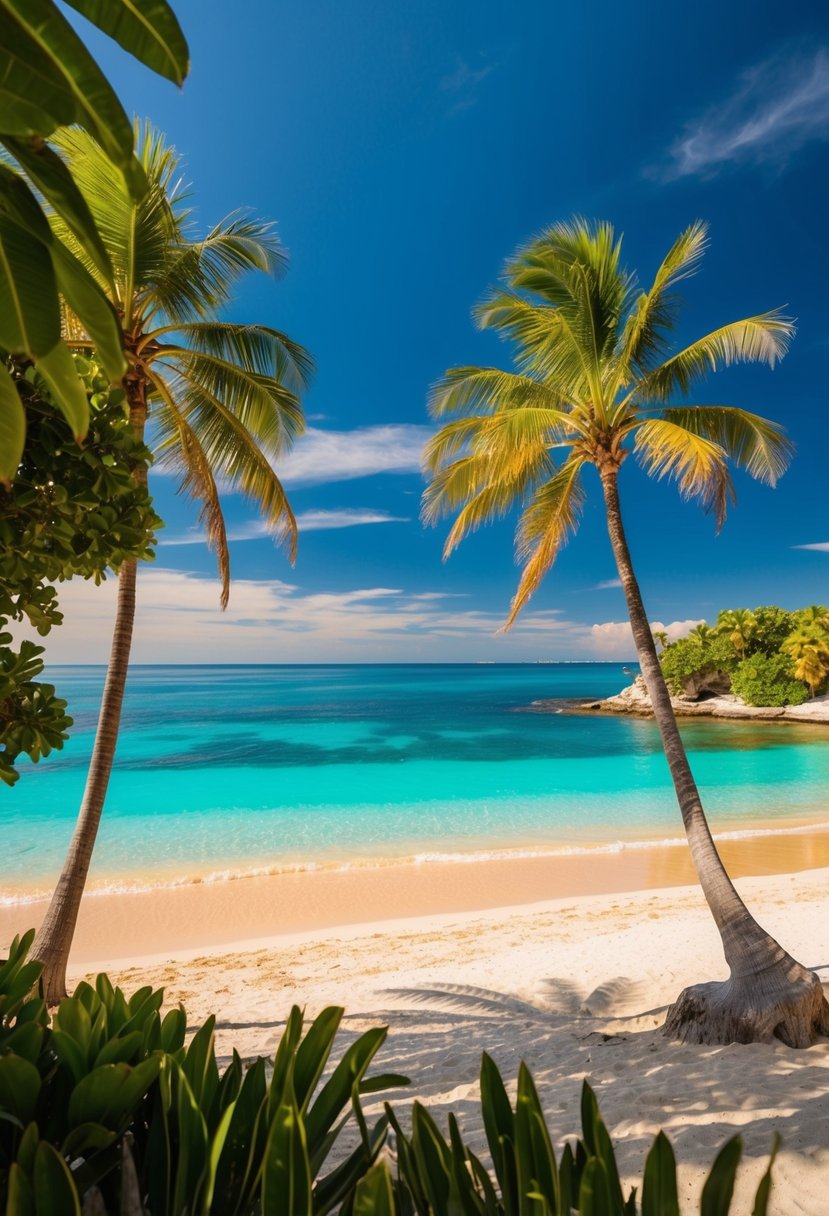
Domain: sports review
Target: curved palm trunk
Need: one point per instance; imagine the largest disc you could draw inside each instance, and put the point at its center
(54, 938)
(769, 993)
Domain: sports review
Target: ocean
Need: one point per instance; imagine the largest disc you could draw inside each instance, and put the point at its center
(228, 770)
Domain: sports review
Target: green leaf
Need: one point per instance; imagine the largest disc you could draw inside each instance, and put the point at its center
(148, 29)
(33, 97)
(19, 1087)
(90, 99)
(595, 1198)
(374, 1195)
(659, 1193)
(761, 1199)
(52, 178)
(286, 1178)
(719, 1186)
(29, 311)
(313, 1052)
(54, 1189)
(20, 1200)
(108, 1095)
(336, 1093)
(66, 387)
(12, 427)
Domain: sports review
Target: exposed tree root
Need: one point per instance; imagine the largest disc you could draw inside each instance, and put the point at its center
(784, 1002)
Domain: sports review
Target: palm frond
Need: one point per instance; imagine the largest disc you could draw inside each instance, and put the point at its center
(477, 390)
(550, 518)
(645, 335)
(548, 348)
(197, 481)
(698, 465)
(257, 348)
(200, 276)
(761, 339)
(235, 457)
(271, 412)
(754, 443)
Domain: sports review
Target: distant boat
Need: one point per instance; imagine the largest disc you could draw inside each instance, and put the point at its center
(626, 671)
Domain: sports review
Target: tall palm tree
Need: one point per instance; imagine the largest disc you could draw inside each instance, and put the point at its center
(808, 648)
(739, 625)
(216, 399)
(592, 381)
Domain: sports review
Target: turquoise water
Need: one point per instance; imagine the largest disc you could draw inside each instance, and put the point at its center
(225, 770)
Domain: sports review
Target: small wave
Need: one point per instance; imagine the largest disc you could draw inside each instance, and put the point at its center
(168, 881)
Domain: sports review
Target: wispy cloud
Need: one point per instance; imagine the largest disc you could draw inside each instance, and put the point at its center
(346, 517)
(779, 106)
(307, 521)
(821, 546)
(463, 84)
(608, 584)
(324, 456)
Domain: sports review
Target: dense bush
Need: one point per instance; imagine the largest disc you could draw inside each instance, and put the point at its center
(768, 680)
(104, 1110)
(687, 657)
(73, 510)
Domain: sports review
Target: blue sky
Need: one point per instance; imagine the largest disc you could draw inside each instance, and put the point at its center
(405, 151)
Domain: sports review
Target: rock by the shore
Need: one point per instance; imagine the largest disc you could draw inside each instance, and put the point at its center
(635, 700)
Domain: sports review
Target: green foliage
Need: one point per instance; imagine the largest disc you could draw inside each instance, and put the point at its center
(47, 80)
(74, 510)
(772, 626)
(768, 680)
(439, 1176)
(691, 656)
(103, 1106)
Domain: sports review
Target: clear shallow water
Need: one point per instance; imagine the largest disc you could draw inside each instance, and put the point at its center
(225, 770)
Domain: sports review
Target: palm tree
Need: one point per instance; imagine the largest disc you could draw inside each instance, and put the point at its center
(591, 387)
(701, 634)
(808, 648)
(221, 399)
(739, 625)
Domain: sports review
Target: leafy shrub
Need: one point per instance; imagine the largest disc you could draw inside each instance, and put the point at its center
(768, 680)
(772, 626)
(687, 657)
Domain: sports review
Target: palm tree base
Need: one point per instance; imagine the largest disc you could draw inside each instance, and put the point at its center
(785, 1001)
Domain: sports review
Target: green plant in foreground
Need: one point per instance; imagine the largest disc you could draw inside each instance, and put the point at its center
(103, 1104)
(440, 1177)
(103, 1110)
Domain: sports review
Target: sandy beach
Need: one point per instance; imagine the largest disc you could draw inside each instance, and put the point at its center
(576, 986)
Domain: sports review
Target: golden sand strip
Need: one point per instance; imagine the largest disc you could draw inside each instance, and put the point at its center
(207, 915)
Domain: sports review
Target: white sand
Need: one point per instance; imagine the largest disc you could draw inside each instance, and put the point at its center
(538, 963)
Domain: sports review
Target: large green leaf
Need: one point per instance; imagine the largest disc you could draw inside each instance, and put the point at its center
(55, 1192)
(148, 29)
(29, 311)
(90, 99)
(52, 177)
(12, 427)
(33, 98)
(66, 387)
(109, 1094)
(659, 1192)
(286, 1178)
(19, 1087)
(374, 1195)
(719, 1185)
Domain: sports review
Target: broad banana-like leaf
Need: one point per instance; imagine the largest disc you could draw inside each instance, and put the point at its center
(29, 310)
(12, 427)
(148, 29)
(92, 309)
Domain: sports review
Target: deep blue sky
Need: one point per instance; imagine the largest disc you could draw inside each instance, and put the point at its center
(405, 151)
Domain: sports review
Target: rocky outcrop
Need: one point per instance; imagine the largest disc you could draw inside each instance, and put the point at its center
(635, 700)
(707, 683)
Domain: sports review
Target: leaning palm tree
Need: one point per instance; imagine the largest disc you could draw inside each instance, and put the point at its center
(593, 381)
(216, 399)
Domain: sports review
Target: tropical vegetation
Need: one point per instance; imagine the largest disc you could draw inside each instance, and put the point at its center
(767, 655)
(596, 381)
(218, 400)
(73, 511)
(103, 1109)
(50, 80)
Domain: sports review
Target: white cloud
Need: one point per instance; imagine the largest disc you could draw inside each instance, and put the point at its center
(614, 639)
(608, 584)
(821, 546)
(323, 456)
(778, 106)
(462, 83)
(307, 521)
(345, 517)
(179, 621)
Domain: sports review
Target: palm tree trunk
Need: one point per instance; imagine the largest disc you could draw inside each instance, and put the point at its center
(54, 939)
(769, 993)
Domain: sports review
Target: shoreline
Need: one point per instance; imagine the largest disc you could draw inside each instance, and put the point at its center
(211, 916)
